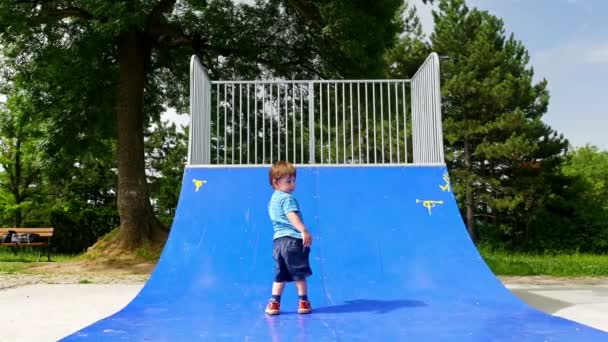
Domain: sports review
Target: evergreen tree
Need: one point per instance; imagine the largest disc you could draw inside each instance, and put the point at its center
(404, 59)
(499, 151)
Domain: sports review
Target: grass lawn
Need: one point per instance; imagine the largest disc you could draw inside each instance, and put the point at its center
(561, 265)
(21, 259)
(501, 262)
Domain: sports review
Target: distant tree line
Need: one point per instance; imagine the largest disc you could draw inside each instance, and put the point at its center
(63, 160)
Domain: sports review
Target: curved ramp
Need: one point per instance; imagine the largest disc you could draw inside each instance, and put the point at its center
(392, 261)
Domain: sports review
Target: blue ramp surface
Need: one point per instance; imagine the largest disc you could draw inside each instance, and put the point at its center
(391, 258)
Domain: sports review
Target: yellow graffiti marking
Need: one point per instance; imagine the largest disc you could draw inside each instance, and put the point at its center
(198, 183)
(447, 185)
(429, 204)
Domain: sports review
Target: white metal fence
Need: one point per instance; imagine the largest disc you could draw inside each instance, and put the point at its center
(316, 122)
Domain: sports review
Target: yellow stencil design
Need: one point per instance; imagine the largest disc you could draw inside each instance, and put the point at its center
(448, 185)
(198, 183)
(429, 204)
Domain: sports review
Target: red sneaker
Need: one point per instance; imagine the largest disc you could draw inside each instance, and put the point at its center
(304, 307)
(273, 308)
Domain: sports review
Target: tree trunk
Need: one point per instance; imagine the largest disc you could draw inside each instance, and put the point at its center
(137, 220)
(469, 191)
(17, 217)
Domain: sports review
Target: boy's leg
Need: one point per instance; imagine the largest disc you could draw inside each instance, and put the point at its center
(277, 288)
(302, 287)
(304, 306)
(274, 305)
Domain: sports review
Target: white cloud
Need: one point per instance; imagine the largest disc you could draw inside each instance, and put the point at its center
(426, 16)
(570, 56)
(597, 54)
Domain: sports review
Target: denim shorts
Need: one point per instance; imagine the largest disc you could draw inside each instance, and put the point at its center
(291, 259)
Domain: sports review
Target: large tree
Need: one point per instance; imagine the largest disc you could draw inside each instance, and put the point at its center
(20, 159)
(107, 68)
(500, 152)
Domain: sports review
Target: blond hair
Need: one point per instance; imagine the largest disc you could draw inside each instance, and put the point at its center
(281, 169)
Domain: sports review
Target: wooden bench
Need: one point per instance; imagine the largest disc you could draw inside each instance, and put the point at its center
(45, 235)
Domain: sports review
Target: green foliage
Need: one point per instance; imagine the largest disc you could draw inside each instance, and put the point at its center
(21, 188)
(72, 192)
(94, 68)
(501, 155)
(587, 167)
(403, 59)
(86, 206)
(166, 156)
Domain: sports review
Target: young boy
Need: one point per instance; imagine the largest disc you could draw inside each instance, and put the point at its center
(291, 239)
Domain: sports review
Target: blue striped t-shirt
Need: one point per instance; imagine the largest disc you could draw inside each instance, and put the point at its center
(282, 203)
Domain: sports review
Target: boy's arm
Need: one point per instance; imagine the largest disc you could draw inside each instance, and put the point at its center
(299, 225)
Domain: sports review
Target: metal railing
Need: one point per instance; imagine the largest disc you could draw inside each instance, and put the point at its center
(316, 122)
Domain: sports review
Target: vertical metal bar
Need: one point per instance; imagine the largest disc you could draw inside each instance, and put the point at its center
(431, 115)
(193, 62)
(311, 121)
(424, 117)
(240, 123)
(328, 126)
(321, 118)
(414, 124)
(255, 122)
(301, 124)
(217, 124)
(404, 123)
(374, 108)
(397, 121)
(293, 119)
(263, 123)
(193, 114)
(336, 115)
(287, 123)
(271, 120)
(352, 139)
(278, 121)
(382, 116)
(439, 128)
(418, 120)
(226, 123)
(248, 123)
(343, 125)
(390, 124)
(209, 88)
(427, 118)
(366, 125)
(233, 106)
(359, 118)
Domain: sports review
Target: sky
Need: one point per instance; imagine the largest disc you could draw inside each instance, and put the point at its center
(568, 45)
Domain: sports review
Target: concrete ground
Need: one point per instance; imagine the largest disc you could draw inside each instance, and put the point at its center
(48, 312)
(583, 303)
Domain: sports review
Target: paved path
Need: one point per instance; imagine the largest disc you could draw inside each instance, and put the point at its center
(47, 312)
(583, 303)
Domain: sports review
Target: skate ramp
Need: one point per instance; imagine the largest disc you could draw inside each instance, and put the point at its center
(392, 261)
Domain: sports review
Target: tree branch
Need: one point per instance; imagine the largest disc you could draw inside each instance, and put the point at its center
(158, 11)
(62, 13)
(307, 10)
